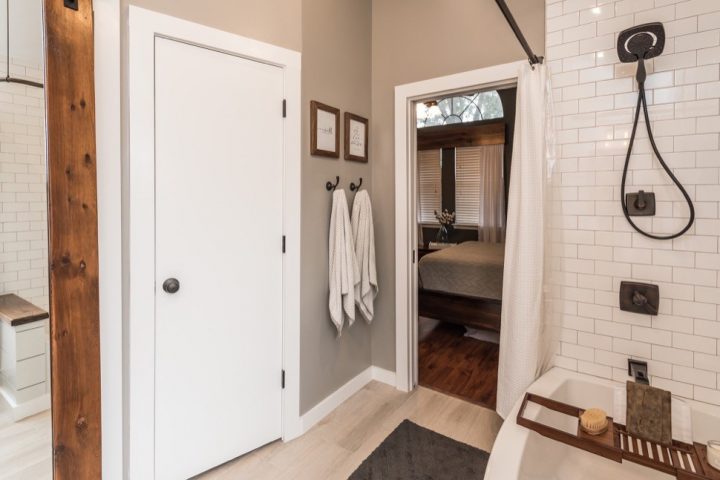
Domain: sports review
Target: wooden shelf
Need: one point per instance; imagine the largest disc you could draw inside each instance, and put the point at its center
(16, 311)
(684, 461)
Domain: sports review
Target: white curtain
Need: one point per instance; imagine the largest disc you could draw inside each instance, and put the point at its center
(418, 210)
(479, 190)
(525, 342)
(491, 226)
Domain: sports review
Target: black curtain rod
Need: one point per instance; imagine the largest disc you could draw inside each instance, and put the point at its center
(532, 58)
(28, 83)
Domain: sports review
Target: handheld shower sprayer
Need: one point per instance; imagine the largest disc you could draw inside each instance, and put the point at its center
(638, 44)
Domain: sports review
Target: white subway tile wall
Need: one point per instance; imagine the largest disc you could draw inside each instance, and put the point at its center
(23, 187)
(593, 246)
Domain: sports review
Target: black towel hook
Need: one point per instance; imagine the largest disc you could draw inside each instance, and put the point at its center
(329, 185)
(354, 187)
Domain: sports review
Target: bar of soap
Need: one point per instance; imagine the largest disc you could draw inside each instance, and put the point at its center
(649, 414)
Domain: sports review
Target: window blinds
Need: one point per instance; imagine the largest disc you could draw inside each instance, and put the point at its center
(429, 185)
(477, 170)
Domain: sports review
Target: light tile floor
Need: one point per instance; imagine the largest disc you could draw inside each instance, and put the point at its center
(25, 447)
(332, 449)
(335, 447)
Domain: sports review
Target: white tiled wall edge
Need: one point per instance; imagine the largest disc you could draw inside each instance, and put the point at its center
(23, 195)
(594, 247)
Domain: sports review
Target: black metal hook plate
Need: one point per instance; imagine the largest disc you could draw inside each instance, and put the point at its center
(641, 204)
(639, 298)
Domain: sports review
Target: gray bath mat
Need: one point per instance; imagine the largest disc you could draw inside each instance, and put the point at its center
(412, 452)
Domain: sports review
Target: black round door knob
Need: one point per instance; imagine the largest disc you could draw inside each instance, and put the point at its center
(171, 285)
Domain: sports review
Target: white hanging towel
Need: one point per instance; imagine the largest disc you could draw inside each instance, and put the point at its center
(343, 268)
(364, 235)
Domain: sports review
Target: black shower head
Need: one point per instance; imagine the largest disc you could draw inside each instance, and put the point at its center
(641, 42)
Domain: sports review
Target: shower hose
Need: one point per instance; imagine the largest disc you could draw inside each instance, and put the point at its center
(642, 105)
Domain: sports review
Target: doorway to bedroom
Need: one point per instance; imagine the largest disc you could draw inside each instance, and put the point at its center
(463, 153)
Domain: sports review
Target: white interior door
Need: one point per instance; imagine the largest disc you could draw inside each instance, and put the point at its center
(218, 201)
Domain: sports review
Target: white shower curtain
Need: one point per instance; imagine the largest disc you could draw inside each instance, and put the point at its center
(524, 336)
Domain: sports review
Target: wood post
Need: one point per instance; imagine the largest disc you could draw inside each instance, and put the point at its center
(73, 240)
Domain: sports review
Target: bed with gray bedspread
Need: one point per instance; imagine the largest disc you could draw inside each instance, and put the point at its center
(470, 269)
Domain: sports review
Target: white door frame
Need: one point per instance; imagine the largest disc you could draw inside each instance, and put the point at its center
(144, 27)
(109, 175)
(405, 201)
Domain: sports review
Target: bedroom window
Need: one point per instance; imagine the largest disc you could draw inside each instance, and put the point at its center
(468, 182)
(464, 148)
(473, 178)
(429, 185)
(472, 107)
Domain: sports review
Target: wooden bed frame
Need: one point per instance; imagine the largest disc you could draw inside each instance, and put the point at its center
(459, 309)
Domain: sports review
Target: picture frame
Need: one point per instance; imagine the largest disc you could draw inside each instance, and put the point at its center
(324, 130)
(356, 137)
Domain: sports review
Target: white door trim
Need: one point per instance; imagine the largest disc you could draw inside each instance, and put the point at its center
(144, 27)
(405, 208)
(109, 174)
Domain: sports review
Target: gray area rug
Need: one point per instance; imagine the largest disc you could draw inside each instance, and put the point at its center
(412, 452)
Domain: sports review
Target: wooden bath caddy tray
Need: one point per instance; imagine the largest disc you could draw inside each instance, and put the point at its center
(685, 461)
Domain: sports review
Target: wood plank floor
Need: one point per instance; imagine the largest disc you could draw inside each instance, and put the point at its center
(25, 449)
(335, 447)
(457, 365)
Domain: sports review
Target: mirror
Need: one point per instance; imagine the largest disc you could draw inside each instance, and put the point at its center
(25, 419)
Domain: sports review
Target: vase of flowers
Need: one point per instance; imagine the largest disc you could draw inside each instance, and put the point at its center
(446, 221)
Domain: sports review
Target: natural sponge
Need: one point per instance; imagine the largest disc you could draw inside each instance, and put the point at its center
(594, 421)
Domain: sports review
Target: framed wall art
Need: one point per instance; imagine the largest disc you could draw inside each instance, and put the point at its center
(356, 138)
(324, 130)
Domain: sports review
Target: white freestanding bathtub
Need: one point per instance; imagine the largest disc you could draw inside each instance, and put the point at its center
(519, 453)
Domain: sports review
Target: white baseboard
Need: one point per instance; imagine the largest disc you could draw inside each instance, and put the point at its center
(335, 399)
(18, 411)
(384, 376)
(32, 407)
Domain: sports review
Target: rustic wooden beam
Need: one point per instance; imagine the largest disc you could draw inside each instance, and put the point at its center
(488, 132)
(73, 240)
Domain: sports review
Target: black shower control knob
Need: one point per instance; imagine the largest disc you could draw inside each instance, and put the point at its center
(639, 299)
(640, 203)
(171, 285)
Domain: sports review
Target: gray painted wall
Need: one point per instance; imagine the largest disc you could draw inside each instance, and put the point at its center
(272, 21)
(336, 71)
